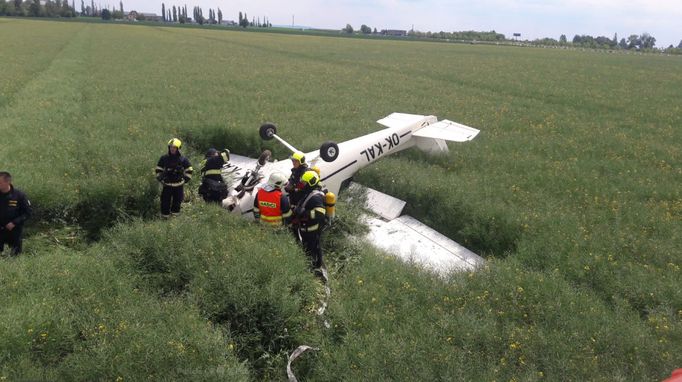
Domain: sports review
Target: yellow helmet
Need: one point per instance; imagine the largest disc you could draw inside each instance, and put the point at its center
(299, 156)
(175, 142)
(310, 178)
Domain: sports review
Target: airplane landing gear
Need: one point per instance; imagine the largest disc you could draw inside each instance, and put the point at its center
(267, 131)
(329, 151)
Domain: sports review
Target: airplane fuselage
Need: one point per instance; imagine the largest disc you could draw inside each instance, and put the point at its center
(403, 131)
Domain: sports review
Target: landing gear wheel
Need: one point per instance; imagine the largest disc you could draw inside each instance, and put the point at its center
(267, 131)
(263, 158)
(329, 151)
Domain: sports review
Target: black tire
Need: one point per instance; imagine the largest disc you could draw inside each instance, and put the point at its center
(329, 151)
(267, 131)
(264, 157)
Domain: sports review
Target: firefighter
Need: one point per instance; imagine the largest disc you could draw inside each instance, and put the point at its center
(173, 171)
(213, 188)
(15, 209)
(310, 217)
(294, 187)
(271, 205)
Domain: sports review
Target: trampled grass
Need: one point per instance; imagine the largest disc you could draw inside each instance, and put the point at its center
(572, 189)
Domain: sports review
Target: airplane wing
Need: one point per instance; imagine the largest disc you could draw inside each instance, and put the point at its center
(239, 163)
(447, 130)
(411, 240)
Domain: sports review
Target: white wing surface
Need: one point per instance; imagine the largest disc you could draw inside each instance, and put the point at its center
(447, 130)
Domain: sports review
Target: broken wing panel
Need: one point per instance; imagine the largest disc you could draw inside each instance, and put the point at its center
(411, 240)
(447, 130)
(386, 206)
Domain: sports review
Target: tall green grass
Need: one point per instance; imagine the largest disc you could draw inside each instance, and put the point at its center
(571, 191)
(249, 281)
(73, 316)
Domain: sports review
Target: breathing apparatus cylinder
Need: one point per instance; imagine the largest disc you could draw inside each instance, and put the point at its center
(330, 205)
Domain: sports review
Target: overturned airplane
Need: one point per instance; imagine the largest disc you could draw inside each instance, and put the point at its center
(403, 235)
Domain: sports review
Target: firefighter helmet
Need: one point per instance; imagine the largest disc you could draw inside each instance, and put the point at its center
(175, 142)
(299, 156)
(310, 178)
(277, 180)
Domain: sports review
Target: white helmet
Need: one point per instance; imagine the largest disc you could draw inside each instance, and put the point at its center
(277, 180)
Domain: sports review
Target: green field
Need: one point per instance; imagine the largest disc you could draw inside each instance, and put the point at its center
(571, 192)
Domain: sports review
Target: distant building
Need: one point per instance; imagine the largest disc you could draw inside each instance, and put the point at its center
(228, 22)
(134, 15)
(393, 32)
(152, 17)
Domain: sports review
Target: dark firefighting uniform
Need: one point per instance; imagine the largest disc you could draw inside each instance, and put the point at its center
(173, 171)
(16, 208)
(310, 218)
(271, 207)
(213, 188)
(295, 187)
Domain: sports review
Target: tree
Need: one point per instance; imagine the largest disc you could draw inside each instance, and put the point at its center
(106, 15)
(243, 20)
(34, 8)
(679, 46)
(348, 29)
(563, 40)
(120, 8)
(647, 41)
(577, 39)
(220, 16)
(365, 29)
(175, 14)
(623, 44)
(163, 11)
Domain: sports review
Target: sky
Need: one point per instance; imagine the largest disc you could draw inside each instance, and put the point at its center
(531, 18)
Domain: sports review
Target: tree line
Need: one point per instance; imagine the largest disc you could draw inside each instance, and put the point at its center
(641, 43)
(178, 14)
(34, 8)
(62, 8)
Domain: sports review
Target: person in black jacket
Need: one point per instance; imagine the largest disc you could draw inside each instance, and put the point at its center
(310, 217)
(213, 188)
(173, 171)
(295, 187)
(15, 209)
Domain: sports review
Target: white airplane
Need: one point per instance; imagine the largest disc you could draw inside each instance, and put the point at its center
(400, 235)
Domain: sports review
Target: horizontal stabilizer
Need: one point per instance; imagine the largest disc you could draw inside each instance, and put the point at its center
(447, 130)
(379, 203)
(399, 120)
